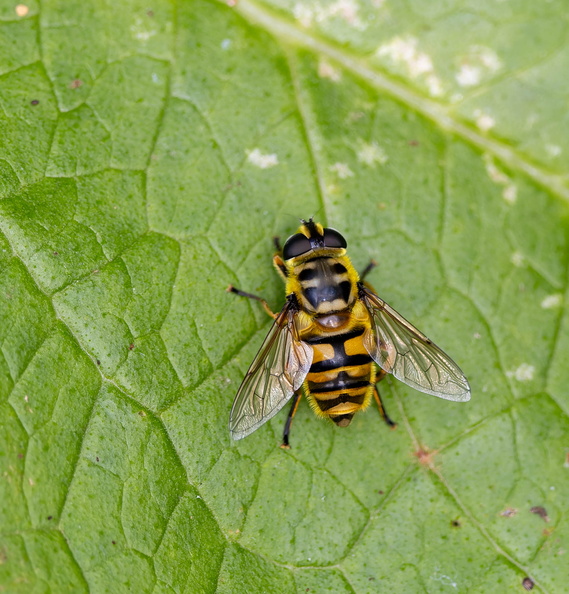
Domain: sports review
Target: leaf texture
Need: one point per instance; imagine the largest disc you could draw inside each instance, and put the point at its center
(149, 153)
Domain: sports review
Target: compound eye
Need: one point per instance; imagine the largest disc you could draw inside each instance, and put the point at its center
(296, 246)
(333, 239)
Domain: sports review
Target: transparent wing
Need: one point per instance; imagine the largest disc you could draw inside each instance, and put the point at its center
(399, 348)
(276, 373)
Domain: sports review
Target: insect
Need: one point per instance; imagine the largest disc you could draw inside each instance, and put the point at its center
(333, 340)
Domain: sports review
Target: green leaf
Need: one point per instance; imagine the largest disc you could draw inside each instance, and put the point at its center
(149, 155)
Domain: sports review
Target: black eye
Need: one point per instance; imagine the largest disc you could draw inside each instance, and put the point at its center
(333, 239)
(296, 246)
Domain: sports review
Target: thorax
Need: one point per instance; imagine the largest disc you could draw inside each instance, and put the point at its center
(325, 287)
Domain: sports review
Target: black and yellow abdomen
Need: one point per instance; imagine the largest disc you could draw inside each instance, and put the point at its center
(341, 378)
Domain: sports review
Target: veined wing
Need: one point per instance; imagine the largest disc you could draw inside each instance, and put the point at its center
(399, 348)
(276, 373)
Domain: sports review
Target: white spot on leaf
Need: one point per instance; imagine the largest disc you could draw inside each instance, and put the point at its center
(510, 191)
(434, 85)
(552, 301)
(342, 170)
(264, 161)
(140, 31)
(553, 150)
(517, 259)
(445, 580)
(484, 121)
(371, 153)
(468, 75)
(21, 10)
(403, 50)
(303, 14)
(346, 10)
(524, 373)
(476, 64)
(326, 70)
(488, 57)
(225, 44)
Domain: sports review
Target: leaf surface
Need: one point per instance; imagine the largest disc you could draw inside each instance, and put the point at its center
(148, 157)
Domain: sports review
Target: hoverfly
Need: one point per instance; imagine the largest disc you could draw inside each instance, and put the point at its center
(333, 340)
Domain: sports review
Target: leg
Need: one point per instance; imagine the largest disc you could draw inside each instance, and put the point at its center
(232, 289)
(377, 397)
(372, 264)
(278, 259)
(294, 406)
(280, 266)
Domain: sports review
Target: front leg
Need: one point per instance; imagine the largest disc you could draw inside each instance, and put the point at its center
(371, 265)
(280, 266)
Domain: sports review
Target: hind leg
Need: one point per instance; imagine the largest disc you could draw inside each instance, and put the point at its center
(381, 374)
(294, 407)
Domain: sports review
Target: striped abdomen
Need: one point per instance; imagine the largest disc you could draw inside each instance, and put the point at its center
(340, 380)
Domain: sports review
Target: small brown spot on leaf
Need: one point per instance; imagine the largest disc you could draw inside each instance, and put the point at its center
(75, 83)
(97, 458)
(455, 524)
(381, 492)
(540, 511)
(528, 583)
(425, 457)
(50, 517)
(509, 512)
(56, 253)
(141, 413)
(150, 13)
(131, 346)
(413, 143)
(35, 102)
(114, 542)
(20, 456)
(98, 362)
